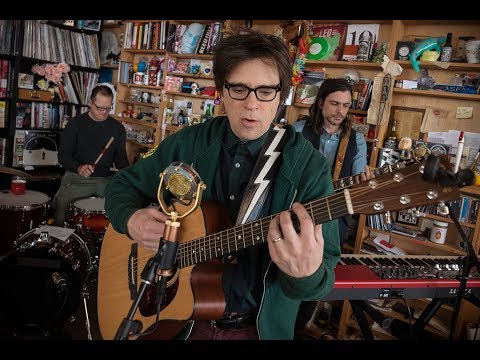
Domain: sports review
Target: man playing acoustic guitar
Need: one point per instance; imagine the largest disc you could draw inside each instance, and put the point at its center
(240, 155)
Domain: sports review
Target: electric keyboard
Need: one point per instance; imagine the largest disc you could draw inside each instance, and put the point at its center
(363, 277)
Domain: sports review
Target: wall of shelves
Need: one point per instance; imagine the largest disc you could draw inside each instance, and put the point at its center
(159, 128)
(391, 31)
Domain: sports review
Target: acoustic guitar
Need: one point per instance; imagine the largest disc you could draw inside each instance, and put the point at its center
(194, 291)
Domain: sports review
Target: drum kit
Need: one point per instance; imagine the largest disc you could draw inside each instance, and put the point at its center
(46, 269)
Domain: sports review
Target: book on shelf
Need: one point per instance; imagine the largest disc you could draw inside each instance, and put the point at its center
(191, 38)
(4, 70)
(215, 36)
(2, 113)
(203, 43)
(3, 149)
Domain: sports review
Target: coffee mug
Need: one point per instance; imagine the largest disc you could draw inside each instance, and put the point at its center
(18, 185)
(472, 51)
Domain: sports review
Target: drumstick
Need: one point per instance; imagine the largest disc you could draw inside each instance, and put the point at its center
(103, 151)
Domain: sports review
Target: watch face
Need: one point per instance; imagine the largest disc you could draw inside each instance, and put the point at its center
(403, 50)
(438, 150)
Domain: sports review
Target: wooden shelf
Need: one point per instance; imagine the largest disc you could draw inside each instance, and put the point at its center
(189, 95)
(453, 66)
(174, 128)
(344, 64)
(141, 86)
(447, 219)
(471, 190)
(191, 56)
(150, 146)
(136, 121)
(108, 66)
(437, 93)
(136, 103)
(143, 51)
(425, 243)
(188, 75)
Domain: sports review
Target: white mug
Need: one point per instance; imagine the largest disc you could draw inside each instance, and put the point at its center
(472, 51)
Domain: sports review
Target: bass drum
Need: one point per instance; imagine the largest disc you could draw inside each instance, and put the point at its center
(43, 278)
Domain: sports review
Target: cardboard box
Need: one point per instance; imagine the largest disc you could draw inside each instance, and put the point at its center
(39, 95)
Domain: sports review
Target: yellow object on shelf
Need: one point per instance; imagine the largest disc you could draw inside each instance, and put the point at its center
(477, 180)
(430, 55)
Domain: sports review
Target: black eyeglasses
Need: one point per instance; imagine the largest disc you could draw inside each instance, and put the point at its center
(241, 92)
(102, 108)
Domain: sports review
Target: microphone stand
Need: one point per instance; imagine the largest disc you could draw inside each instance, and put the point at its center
(161, 263)
(184, 183)
(467, 262)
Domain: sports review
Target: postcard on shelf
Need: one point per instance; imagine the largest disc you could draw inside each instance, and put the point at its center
(327, 42)
(173, 83)
(25, 81)
(356, 33)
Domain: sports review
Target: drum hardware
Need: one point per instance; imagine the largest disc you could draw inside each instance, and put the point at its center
(85, 294)
(56, 268)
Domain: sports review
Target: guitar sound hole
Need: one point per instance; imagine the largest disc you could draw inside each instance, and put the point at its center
(148, 304)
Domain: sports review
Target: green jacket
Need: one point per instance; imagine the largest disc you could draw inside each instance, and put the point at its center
(304, 175)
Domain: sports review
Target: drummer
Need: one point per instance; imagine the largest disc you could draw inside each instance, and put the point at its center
(89, 146)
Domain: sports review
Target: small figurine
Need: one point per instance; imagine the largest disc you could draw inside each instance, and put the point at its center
(425, 82)
(128, 111)
(405, 145)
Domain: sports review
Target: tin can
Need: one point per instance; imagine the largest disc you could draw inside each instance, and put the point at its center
(439, 232)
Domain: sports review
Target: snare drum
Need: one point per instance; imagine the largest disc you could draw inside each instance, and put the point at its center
(88, 215)
(43, 277)
(19, 214)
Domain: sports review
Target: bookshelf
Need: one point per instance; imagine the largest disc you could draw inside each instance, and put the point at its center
(177, 86)
(46, 44)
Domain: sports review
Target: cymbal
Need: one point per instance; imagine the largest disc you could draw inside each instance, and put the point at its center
(16, 172)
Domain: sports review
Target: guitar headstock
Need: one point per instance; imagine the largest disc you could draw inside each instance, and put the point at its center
(418, 184)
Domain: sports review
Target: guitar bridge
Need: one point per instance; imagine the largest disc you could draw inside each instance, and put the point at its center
(133, 271)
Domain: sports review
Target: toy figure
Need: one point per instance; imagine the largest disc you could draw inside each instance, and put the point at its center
(405, 145)
(429, 44)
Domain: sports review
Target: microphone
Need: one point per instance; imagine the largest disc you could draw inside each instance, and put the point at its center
(181, 180)
(60, 282)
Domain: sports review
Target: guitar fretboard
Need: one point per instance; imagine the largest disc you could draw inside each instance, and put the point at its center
(254, 233)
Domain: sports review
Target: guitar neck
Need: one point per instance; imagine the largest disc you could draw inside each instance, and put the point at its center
(255, 232)
(350, 180)
(405, 188)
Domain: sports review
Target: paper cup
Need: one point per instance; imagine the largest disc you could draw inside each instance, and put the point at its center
(18, 185)
(472, 51)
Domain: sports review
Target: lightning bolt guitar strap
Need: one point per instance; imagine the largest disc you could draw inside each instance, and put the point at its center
(265, 170)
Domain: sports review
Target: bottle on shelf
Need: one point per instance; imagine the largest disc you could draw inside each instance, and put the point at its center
(365, 43)
(208, 112)
(447, 49)
(168, 115)
(392, 140)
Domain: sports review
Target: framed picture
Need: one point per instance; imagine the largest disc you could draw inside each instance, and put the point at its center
(407, 217)
(93, 25)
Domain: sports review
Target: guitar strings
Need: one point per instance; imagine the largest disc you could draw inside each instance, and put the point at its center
(191, 252)
(227, 241)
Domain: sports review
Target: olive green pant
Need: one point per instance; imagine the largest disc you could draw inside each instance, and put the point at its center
(73, 187)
